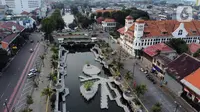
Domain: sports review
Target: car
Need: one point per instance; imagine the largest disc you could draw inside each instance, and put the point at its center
(33, 70)
(31, 74)
(31, 50)
(31, 41)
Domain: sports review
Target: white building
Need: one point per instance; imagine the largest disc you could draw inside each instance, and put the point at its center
(108, 24)
(140, 34)
(19, 6)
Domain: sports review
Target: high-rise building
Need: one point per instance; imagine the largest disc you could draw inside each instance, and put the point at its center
(19, 6)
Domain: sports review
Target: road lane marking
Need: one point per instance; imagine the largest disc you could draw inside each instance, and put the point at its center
(21, 78)
(26, 88)
(25, 77)
(2, 95)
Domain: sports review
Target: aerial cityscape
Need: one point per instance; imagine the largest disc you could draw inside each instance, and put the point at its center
(100, 56)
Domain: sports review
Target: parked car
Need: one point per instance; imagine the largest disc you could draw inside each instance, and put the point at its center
(33, 70)
(31, 74)
(31, 41)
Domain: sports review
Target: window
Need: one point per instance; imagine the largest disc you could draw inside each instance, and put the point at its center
(180, 32)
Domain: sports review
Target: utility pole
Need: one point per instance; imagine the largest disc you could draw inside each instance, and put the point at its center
(6, 105)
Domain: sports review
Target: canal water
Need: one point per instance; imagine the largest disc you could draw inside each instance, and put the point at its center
(74, 101)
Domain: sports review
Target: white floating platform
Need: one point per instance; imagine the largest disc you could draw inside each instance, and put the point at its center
(91, 70)
(89, 94)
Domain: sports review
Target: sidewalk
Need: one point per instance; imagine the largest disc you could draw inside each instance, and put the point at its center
(39, 104)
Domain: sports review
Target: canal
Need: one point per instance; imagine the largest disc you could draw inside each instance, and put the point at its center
(74, 101)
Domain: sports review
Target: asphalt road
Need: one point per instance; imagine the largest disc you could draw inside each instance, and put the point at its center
(18, 66)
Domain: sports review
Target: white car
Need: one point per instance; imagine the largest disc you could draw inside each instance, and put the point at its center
(31, 74)
(33, 70)
(141, 69)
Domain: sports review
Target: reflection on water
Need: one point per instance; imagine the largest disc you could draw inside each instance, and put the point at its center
(75, 102)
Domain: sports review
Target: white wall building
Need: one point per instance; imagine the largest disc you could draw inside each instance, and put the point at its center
(19, 6)
(108, 24)
(140, 34)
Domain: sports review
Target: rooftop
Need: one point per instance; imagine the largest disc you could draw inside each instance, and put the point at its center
(8, 39)
(153, 50)
(106, 10)
(193, 47)
(8, 26)
(166, 27)
(183, 66)
(192, 81)
(109, 20)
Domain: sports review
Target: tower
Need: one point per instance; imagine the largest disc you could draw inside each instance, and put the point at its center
(128, 22)
(138, 33)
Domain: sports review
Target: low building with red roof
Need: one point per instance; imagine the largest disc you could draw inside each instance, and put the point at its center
(99, 20)
(193, 48)
(147, 33)
(178, 69)
(159, 55)
(25, 13)
(108, 24)
(191, 86)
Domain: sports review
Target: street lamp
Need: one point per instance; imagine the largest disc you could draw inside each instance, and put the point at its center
(177, 106)
(6, 105)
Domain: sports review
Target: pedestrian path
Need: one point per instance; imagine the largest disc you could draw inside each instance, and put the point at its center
(39, 104)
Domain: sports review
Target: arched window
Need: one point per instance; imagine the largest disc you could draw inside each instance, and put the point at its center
(180, 32)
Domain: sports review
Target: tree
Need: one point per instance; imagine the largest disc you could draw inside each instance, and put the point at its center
(4, 58)
(88, 85)
(140, 90)
(54, 57)
(128, 75)
(54, 49)
(58, 20)
(47, 91)
(42, 58)
(99, 14)
(156, 107)
(27, 110)
(29, 100)
(48, 26)
(92, 16)
(106, 15)
(179, 45)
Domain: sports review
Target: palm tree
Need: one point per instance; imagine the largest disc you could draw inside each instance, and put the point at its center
(54, 49)
(156, 107)
(47, 91)
(128, 75)
(42, 58)
(27, 110)
(140, 90)
(29, 100)
(54, 57)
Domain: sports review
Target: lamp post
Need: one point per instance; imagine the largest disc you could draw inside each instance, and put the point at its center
(6, 105)
(177, 106)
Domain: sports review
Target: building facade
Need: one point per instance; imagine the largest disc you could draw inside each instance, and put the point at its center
(19, 6)
(108, 24)
(141, 34)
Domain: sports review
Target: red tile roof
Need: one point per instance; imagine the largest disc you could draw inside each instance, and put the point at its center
(24, 13)
(193, 47)
(193, 80)
(8, 26)
(100, 19)
(165, 28)
(121, 30)
(152, 50)
(182, 66)
(109, 20)
(106, 10)
(8, 39)
(129, 17)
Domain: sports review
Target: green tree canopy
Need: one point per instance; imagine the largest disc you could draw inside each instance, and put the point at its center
(88, 85)
(179, 45)
(48, 26)
(140, 90)
(106, 15)
(99, 14)
(156, 107)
